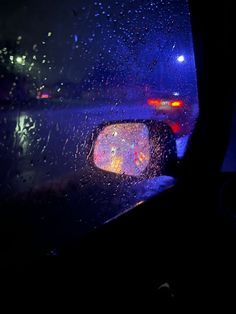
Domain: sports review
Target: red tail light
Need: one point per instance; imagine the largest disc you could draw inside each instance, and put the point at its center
(176, 128)
(159, 102)
(176, 103)
(154, 101)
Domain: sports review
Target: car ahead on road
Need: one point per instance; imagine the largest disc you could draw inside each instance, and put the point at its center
(178, 111)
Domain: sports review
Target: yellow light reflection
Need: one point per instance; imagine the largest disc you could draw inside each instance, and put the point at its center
(116, 164)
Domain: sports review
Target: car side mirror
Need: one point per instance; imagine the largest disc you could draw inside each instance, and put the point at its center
(141, 148)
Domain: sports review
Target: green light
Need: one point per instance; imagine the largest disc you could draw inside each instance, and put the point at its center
(19, 60)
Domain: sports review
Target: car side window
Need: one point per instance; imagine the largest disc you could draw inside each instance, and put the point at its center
(98, 100)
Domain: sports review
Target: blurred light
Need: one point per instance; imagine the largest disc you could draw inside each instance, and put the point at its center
(176, 103)
(76, 38)
(154, 102)
(19, 60)
(176, 93)
(42, 95)
(180, 59)
(116, 164)
(142, 157)
(176, 128)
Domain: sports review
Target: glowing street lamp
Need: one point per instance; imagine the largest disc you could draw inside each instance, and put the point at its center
(180, 59)
(20, 60)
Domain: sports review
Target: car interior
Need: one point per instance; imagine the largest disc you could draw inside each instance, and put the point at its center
(172, 251)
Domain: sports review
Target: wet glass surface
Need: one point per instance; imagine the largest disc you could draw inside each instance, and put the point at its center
(65, 68)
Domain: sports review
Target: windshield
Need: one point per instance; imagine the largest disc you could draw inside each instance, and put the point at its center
(66, 67)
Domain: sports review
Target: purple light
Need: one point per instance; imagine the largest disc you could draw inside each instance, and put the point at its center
(76, 38)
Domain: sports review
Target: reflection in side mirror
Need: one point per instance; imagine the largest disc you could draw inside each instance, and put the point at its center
(123, 149)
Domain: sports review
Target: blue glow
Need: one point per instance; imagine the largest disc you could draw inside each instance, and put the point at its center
(180, 59)
(76, 38)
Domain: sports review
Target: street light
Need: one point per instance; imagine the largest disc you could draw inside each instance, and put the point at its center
(21, 60)
(180, 59)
